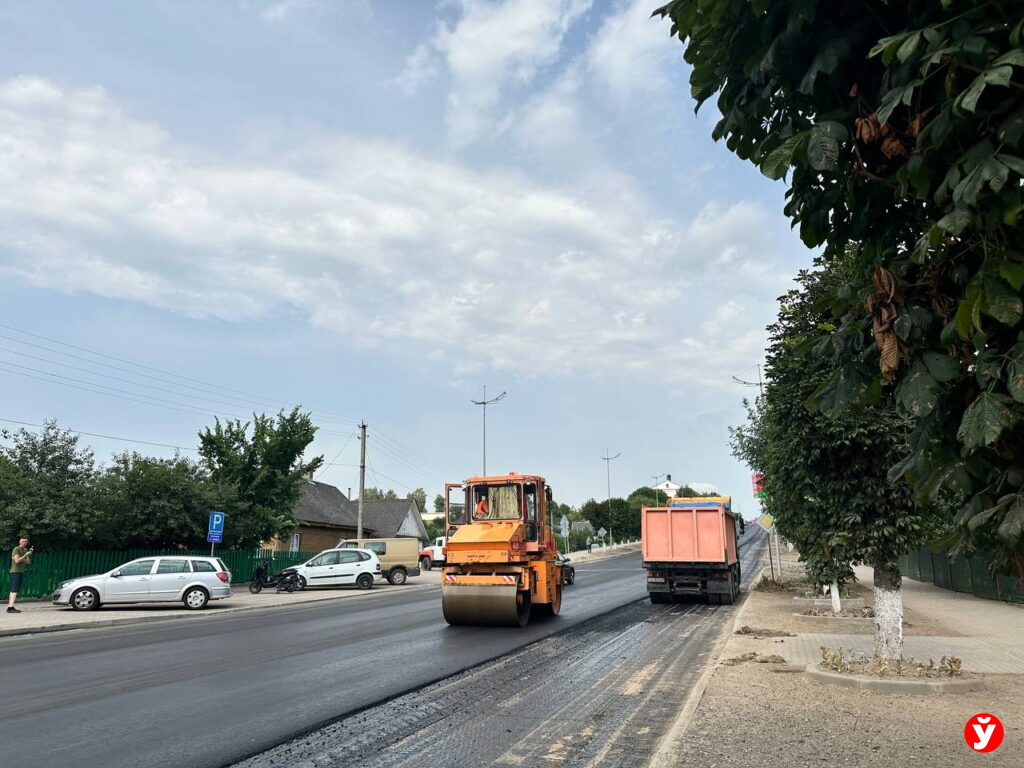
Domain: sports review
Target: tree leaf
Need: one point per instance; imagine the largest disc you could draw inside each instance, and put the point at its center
(888, 46)
(1015, 164)
(822, 152)
(999, 75)
(908, 47)
(778, 161)
(1015, 57)
(955, 221)
(1011, 529)
(968, 100)
(943, 368)
(985, 420)
(1013, 273)
(918, 393)
(1001, 301)
(1015, 373)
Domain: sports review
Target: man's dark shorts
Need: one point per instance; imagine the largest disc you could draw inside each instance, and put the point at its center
(16, 579)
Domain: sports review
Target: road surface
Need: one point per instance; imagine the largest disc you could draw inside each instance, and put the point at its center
(210, 693)
(603, 693)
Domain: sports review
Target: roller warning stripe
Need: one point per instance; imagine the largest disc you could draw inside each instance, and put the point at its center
(509, 579)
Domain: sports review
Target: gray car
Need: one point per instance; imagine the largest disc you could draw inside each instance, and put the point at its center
(193, 581)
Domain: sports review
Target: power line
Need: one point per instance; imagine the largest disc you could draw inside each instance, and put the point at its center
(343, 447)
(381, 435)
(105, 437)
(209, 387)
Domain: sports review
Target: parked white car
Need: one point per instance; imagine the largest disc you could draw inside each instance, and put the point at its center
(194, 581)
(335, 567)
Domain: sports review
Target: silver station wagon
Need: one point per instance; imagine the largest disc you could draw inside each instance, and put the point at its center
(193, 581)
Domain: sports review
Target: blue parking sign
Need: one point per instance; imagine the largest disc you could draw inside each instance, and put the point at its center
(215, 537)
(216, 523)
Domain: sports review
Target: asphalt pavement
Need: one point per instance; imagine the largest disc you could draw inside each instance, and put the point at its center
(602, 694)
(210, 693)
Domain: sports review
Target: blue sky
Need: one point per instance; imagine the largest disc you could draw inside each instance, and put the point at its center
(373, 209)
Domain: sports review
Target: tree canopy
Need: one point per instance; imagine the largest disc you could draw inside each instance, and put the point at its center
(899, 128)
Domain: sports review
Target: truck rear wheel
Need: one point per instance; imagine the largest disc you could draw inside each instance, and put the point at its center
(426, 563)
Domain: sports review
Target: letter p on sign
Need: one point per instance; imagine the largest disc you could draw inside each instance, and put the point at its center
(983, 732)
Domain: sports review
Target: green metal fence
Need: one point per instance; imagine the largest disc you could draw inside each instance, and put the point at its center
(969, 575)
(48, 569)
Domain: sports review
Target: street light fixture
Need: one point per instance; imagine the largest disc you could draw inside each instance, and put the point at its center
(485, 402)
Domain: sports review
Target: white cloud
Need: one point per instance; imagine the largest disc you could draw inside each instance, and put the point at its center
(491, 50)
(631, 53)
(382, 245)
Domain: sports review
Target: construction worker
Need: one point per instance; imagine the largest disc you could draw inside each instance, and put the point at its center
(482, 509)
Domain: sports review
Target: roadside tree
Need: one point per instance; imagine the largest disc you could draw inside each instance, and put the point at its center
(826, 477)
(903, 126)
(46, 488)
(260, 473)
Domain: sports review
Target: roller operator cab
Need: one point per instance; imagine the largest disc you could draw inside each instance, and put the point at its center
(500, 553)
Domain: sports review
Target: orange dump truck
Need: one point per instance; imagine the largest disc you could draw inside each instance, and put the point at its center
(690, 549)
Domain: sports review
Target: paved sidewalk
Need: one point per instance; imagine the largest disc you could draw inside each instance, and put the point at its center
(991, 630)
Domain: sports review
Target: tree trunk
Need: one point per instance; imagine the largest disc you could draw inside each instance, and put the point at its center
(837, 606)
(888, 611)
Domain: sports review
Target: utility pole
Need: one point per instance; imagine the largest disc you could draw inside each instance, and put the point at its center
(485, 402)
(657, 493)
(362, 478)
(608, 471)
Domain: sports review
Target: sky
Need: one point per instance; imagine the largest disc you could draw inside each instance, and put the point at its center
(373, 210)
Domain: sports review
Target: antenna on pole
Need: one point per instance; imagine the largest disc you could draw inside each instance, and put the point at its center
(759, 384)
(485, 402)
(657, 493)
(607, 458)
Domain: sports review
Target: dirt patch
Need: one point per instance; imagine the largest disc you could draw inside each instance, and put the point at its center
(861, 613)
(862, 665)
(759, 633)
(754, 656)
(751, 717)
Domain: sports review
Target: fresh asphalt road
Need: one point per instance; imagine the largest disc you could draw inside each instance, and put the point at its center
(208, 693)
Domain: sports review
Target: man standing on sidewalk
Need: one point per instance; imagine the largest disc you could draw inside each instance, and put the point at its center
(20, 558)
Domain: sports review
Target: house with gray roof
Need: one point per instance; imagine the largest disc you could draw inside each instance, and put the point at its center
(392, 518)
(324, 516)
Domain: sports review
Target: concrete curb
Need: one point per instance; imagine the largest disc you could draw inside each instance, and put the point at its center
(891, 685)
(853, 603)
(205, 614)
(666, 755)
(835, 621)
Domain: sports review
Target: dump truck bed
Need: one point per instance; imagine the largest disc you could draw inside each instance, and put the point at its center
(689, 531)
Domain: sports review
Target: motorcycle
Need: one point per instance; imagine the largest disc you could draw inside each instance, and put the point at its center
(286, 581)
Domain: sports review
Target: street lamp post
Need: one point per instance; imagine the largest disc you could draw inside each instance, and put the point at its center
(485, 402)
(607, 458)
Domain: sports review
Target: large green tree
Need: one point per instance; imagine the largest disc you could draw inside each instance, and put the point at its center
(826, 477)
(260, 472)
(46, 488)
(149, 502)
(900, 127)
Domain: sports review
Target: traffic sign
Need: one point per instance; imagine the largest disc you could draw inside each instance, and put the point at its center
(216, 522)
(766, 521)
(601, 532)
(215, 531)
(564, 526)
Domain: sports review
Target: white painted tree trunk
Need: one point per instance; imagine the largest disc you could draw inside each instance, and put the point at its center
(888, 612)
(834, 589)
